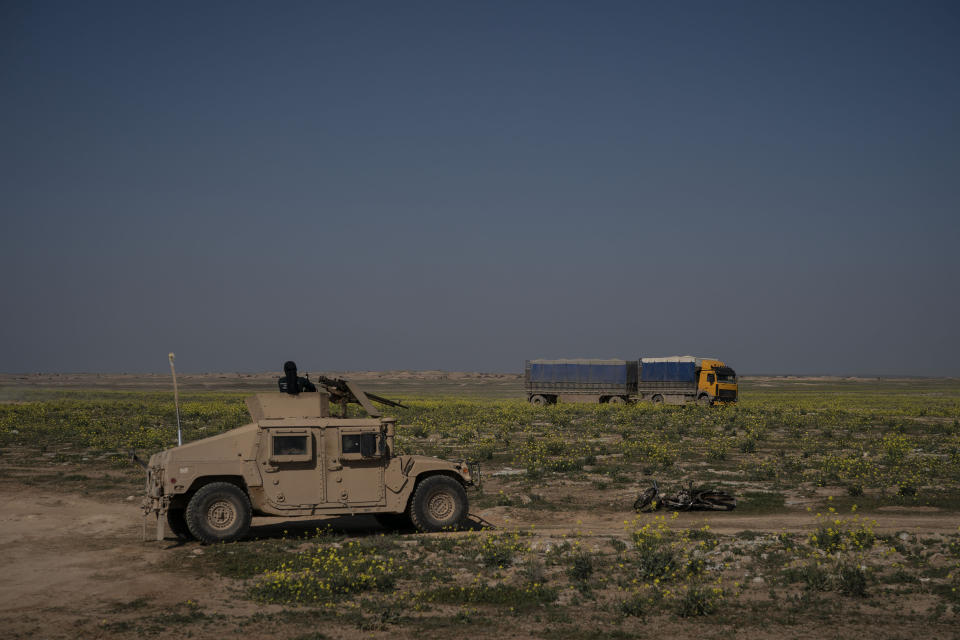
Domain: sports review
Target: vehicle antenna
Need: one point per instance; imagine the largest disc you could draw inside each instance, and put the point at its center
(176, 398)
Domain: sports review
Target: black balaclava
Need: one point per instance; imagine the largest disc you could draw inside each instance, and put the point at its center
(290, 371)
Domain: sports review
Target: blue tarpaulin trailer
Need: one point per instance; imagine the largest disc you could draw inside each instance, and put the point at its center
(591, 372)
(580, 380)
(674, 379)
(668, 370)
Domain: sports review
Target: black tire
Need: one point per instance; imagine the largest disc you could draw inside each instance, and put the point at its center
(717, 501)
(705, 400)
(675, 505)
(647, 500)
(438, 503)
(539, 400)
(394, 521)
(177, 521)
(657, 399)
(219, 512)
(615, 400)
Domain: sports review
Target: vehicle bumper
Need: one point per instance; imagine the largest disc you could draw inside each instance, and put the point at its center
(727, 395)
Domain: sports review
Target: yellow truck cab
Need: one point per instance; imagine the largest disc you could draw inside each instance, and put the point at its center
(717, 382)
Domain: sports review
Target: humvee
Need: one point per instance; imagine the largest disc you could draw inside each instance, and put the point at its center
(296, 459)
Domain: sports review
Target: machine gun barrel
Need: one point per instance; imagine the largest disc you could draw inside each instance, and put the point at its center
(386, 401)
(340, 390)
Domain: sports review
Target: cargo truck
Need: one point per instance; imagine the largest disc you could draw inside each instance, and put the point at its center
(673, 380)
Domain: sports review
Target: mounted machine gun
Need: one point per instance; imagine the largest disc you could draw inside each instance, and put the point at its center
(344, 392)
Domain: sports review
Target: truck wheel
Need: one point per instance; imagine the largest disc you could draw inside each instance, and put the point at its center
(177, 521)
(657, 399)
(704, 400)
(539, 400)
(219, 512)
(615, 400)
(394, 521)
(438, 503)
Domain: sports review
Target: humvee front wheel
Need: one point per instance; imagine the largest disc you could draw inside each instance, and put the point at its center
(219, 512)
(438, 503)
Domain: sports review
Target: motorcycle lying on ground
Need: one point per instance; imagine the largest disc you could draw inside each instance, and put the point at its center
(686, 500)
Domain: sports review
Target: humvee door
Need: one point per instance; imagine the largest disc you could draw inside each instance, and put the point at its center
(290, 458)
(355, 461)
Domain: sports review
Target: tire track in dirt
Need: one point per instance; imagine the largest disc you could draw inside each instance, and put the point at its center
(912, 520)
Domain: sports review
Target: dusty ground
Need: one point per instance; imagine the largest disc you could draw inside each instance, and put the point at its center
(75, 565)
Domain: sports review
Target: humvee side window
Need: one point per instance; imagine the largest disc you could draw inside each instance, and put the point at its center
(350, 443)
(368, 445)
(290, 445)
(364, 444)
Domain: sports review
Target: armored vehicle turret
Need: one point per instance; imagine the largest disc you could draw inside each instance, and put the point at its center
(296, 459)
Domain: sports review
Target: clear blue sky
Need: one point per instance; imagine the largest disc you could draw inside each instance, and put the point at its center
(463, 185)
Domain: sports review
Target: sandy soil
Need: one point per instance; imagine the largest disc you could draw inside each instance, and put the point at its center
(72, 562)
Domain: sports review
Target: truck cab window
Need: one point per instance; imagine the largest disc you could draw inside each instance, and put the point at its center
(711, 378)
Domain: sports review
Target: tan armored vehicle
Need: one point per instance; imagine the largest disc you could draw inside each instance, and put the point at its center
(296, 459)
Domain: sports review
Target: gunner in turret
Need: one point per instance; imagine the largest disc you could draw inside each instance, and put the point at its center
(291, 383)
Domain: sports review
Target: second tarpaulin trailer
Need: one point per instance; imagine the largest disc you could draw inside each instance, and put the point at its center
(672, 380)
(580, 380)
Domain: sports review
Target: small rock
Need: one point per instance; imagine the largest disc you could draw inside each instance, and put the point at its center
(758, 580)
(198, 552)
(904, 536)
(507, 471)
(525, 499)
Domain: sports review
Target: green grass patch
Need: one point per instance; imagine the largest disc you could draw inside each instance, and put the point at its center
(517, 596)
(760, 502)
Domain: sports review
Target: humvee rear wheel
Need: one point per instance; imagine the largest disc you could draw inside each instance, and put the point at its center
(438, 503)
(539, 400)
(219, 512)
(177, 521)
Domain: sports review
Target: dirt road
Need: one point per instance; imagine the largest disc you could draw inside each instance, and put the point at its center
(73, 562)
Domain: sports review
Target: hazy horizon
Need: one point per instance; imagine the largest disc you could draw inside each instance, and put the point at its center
(307, 371)
(464, 186)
